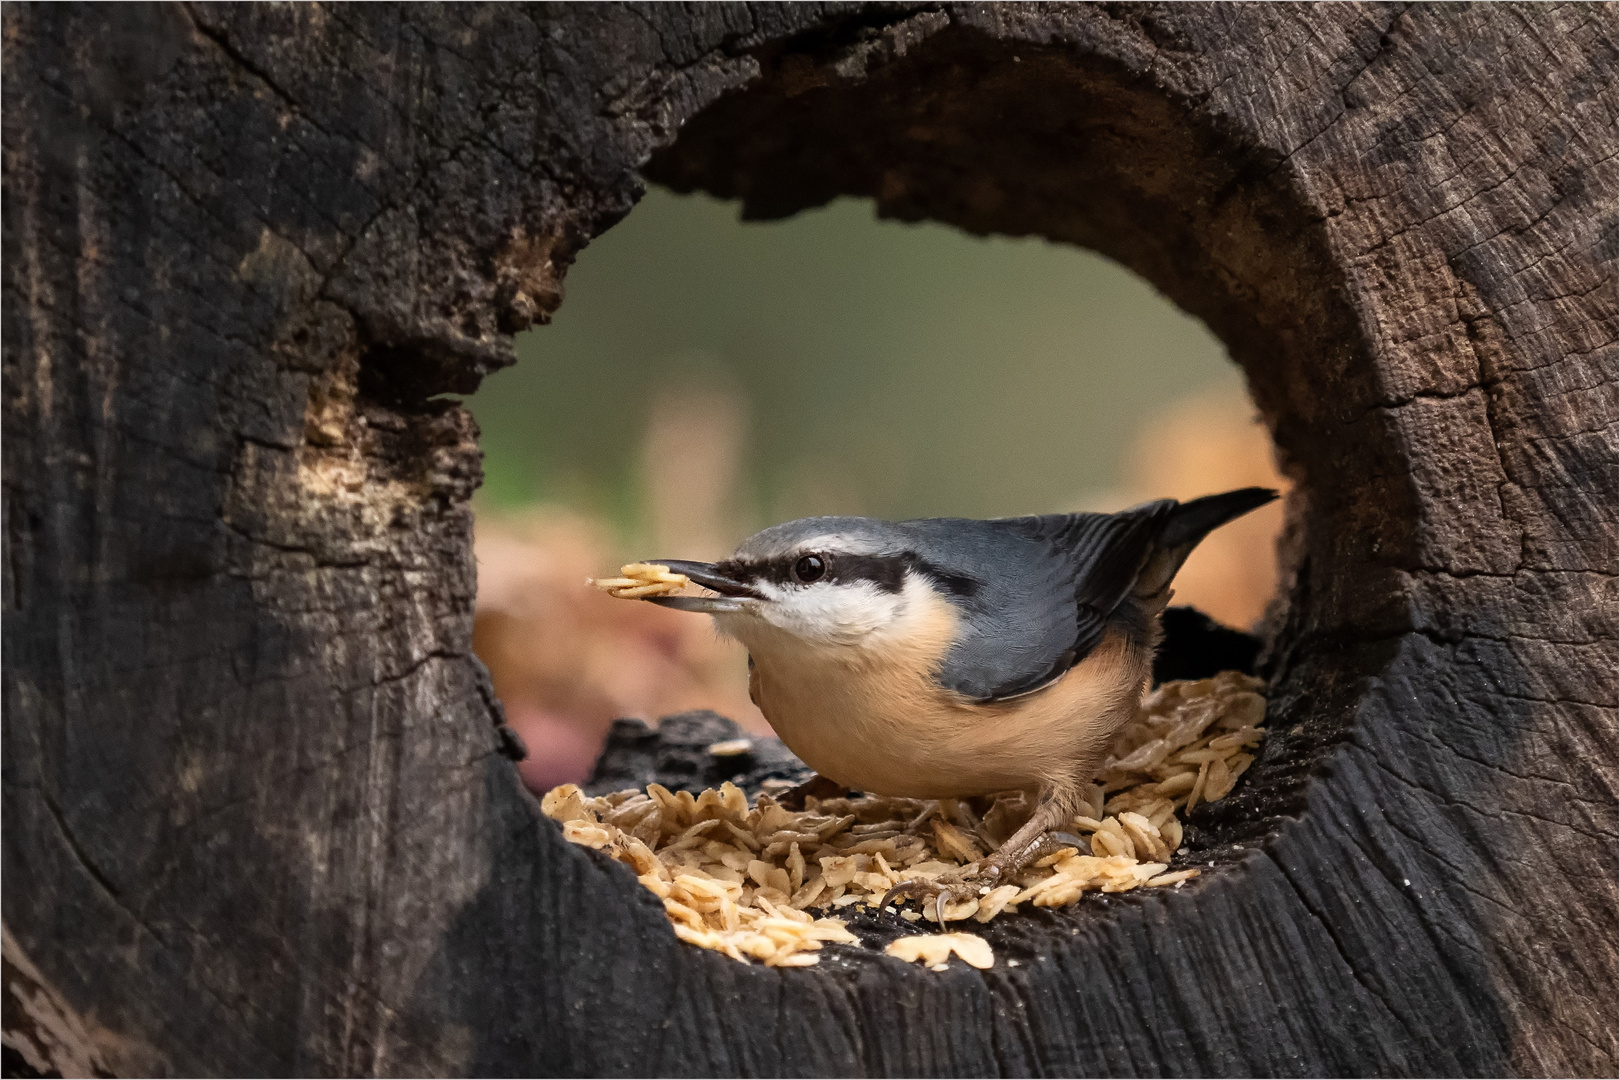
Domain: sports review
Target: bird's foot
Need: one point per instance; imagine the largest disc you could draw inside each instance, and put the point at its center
(955, 894)
(1050, 843)
(948, 897)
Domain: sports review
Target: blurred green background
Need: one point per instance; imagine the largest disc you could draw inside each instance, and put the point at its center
(840, 363)
(706, 377)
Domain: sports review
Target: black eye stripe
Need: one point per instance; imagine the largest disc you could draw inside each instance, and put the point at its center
(887, 572)
(776, 572)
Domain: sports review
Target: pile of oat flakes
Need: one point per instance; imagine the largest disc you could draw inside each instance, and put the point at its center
(760, 881)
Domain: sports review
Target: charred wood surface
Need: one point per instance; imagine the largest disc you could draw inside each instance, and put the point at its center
(258, 819)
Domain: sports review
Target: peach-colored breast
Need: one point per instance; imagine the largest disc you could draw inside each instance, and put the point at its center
(873, 717)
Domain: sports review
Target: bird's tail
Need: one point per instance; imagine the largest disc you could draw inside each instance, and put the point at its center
(1189, 523)
(1192, 521)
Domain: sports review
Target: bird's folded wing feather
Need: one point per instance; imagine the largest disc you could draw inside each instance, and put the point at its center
(1048, 587)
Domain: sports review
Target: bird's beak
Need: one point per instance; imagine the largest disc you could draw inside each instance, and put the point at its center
(734, 595)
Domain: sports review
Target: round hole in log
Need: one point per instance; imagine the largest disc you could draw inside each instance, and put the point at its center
(935, 120)
(998, 376)
(252, 785)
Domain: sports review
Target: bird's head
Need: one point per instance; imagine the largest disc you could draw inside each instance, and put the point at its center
(834, 581)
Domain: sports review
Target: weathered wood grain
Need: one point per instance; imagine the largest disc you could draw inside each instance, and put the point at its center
(257, 820)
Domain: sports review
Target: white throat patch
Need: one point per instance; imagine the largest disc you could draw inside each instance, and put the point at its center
(855, 613)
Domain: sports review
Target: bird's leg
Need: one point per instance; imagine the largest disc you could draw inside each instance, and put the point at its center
(959, 812)
(1030, 842)
(817, 787)
(929, 810)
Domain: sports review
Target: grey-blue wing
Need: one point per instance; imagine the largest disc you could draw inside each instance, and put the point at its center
(1040, 593)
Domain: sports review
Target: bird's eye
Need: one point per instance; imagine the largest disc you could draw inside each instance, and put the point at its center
(810, 568)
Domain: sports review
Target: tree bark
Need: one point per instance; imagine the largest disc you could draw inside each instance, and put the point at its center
(257, 819)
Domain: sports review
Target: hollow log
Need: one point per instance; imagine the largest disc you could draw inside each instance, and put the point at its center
(257, 815)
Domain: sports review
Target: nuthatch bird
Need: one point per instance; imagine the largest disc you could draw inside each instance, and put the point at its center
(950, 657)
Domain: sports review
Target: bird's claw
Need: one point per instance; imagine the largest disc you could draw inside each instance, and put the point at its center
(955, 888)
